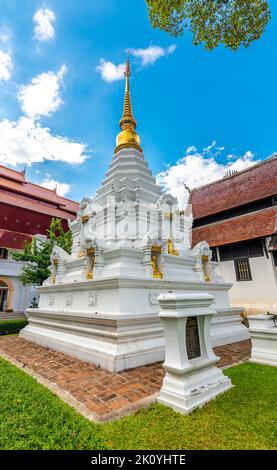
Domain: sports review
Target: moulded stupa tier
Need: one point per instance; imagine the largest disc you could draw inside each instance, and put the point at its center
(131, 243)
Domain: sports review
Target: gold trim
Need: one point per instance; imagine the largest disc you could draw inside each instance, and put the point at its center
(155, 251)
(205, 260)
(84, 218)
(156, 248)
(128, 136)
(171, 251)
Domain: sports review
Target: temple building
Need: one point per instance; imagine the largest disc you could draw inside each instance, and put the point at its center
(26, 209)
(237, 217)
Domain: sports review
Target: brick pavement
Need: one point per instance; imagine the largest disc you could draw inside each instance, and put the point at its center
(96, 393)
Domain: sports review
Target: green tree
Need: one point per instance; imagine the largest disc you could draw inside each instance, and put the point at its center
(36, 254)
(232, 23)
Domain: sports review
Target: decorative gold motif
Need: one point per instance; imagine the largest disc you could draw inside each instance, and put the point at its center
(90, 262)
(205, 260)
(155, 252)
(81, 254)
(54, 275)
(171, 251)
(84, 219)
(128, 136)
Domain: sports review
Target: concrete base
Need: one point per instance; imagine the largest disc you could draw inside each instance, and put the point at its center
(184, 394)
(263, 333)
(115, 322)
(113, 343)
(227, 327)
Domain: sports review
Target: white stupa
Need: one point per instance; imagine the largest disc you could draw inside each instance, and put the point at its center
(131, 243)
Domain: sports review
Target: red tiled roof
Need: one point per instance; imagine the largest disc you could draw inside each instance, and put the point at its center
(254, 225)
(252, 184)
(27, 209)
(14, 182)
(12, 174)
(33, 205)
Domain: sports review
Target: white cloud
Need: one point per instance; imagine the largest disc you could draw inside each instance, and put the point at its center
(198, 168)
(109, 71)
(42, 96)
(44, 19)
(5, 65)
(5, 37)
(61, 188)
(151, 54)
(25, 142)
(191, 149)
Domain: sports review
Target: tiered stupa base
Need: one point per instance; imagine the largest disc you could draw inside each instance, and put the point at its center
(113, 322)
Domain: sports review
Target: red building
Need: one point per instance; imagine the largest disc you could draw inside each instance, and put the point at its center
(26, 209)
(237, 217)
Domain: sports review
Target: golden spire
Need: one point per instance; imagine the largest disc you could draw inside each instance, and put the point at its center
(128, 136)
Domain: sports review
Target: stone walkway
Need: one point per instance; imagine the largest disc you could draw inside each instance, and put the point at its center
(96, 393)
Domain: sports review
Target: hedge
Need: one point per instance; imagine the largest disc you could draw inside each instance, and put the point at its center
(11, 326)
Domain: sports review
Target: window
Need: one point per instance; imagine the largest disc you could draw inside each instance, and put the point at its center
(243, 271)
(275, 257)
(214, 254)
(3, 253)
(226, 253)
(249, 249)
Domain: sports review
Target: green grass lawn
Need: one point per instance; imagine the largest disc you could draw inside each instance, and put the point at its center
(245, 417)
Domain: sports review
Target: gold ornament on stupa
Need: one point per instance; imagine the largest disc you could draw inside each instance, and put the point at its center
(128, 136)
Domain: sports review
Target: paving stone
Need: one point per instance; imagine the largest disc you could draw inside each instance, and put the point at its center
(103, 393)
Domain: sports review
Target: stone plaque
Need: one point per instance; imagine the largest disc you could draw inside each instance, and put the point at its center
(192, 338)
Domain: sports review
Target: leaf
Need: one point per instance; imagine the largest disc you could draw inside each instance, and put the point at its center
(232, 23)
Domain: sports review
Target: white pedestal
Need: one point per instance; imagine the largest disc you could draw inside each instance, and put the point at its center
(189, 381)
(263, 333)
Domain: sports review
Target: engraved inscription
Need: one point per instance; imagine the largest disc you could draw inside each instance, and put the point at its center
(192, 338)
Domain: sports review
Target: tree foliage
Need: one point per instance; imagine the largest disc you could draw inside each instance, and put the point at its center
(36, 254)
(233, 23)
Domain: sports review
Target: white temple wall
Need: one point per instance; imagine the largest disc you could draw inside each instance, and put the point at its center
(21, 297)
(258, 295)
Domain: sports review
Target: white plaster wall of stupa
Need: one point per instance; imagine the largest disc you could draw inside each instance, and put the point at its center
(100, 302)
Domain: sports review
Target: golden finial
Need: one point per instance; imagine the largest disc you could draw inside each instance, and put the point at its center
(128, 136)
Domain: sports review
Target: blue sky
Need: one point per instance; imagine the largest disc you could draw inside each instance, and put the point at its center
(184, 102)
